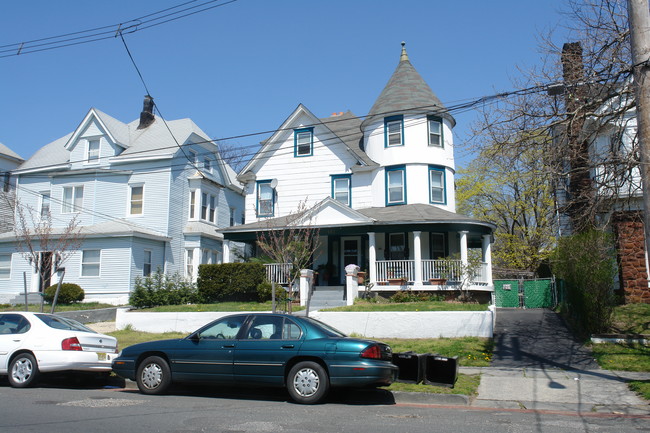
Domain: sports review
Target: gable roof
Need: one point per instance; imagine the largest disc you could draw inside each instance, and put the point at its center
(406, 92)
(9, 154)
(344, 127)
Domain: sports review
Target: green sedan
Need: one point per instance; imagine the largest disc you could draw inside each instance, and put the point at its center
(303, 354)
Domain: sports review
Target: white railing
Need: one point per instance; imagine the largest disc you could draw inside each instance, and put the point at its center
(395, 269)
(278, 272)
(449, 270)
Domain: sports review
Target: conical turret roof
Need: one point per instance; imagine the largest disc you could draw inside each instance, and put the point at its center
(407, 92)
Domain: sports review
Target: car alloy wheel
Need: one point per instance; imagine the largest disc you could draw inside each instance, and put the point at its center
(23, 370)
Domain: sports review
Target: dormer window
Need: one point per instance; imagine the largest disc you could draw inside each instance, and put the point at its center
(393, 131)
(435, 131)
(207, 165)
(303, 142)
(93, 150)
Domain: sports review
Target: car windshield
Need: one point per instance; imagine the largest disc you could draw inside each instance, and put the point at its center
(57, 322)
(332, 332)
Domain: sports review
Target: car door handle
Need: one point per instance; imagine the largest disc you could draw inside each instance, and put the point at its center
(17, 341)
(287, 346)
(228, 346)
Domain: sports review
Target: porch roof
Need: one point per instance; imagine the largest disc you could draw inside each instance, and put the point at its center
(408, 217)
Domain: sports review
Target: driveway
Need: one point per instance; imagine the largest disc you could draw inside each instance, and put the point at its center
(537, 338)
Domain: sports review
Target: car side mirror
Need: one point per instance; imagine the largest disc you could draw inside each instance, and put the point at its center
(195, 337)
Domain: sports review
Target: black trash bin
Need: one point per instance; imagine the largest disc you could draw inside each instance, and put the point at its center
(440, 370)
(410, 366)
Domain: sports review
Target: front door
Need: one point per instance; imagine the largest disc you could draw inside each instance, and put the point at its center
(350, 253)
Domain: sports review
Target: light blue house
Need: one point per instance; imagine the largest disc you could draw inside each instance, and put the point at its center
(148, 195)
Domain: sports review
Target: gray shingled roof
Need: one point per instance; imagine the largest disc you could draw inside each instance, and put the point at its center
(4, 150)
(407, 92)
(348, 128)
(417, 213)
(52, 154)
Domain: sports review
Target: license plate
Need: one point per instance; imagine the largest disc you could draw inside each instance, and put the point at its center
(101, 356)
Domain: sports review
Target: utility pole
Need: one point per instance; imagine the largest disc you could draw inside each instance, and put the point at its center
(639, 18)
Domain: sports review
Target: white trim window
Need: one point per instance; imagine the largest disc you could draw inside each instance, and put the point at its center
(189, 263)
(46, 197)
(146, 263)
(5, 266)
(193, 204)
(90, 263)
(136, 199)
(72, 199)
(92, 154)
(232, 216)
(213, 206)
(207, 164)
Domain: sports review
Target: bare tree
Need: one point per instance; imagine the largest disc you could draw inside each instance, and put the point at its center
(291, 240)
(581, 93)
(44, 246)
(234, 154)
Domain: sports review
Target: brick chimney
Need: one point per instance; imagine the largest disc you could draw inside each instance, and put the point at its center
(146, 116)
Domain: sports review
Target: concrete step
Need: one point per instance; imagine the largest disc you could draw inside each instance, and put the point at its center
(32, 298)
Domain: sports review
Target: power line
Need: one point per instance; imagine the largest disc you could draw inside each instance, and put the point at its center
(110, 31)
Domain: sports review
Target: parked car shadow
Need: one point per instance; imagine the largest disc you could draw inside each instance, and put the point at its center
(345, 396)
(73, 380)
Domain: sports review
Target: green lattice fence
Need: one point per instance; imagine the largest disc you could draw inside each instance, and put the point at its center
(538, 293)
(506, 293)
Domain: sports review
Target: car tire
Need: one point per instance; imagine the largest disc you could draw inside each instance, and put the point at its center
(153, 375)
(307, 382)
(23, 370)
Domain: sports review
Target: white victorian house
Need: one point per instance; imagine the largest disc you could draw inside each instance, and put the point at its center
(380, 191)
(148, 195)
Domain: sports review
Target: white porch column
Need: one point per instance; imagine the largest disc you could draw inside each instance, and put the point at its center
(417, 255)
(487, 258)
(463, 248)
(226, 252)
(372, 257)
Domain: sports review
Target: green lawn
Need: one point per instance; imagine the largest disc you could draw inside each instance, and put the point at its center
(61, 307)
(362, 305)
(631, 319)
(221, 306)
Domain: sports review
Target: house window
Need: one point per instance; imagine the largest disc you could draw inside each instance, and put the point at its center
(146, 263)
(206, 257)
(393, 131)
(435, 132)
(193, 157)
(5, 266)
(211, 212)
(216, 256)
(45, 204)
(397, 247)
(303, 142)
(232, 216)
(204, 206)
(90, 261)
(438, 250)
(437, 185)
(265, 198)
(395, 185)
(72, 199)
(93, 150)
(192, 204)
(136, 201)
(189, 263)
(341, 188)
(207, 165)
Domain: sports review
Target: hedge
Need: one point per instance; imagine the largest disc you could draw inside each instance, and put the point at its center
(230, 282)
(69, 293)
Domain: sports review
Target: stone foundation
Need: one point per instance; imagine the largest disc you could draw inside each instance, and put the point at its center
(630, 247)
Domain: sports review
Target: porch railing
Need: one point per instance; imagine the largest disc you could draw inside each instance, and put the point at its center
(450, 270)
(278, 272)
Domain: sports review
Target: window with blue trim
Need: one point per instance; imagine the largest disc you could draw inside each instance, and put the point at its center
(395, 185)
(342, 188)
(435, 131)
(303, 142)
(394, 131)
(437, 185)
(265, 198)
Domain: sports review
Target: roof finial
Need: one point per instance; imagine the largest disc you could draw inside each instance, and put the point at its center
(404, 56)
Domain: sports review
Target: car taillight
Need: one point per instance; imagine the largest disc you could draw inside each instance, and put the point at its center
(372, 352)
(71, 344)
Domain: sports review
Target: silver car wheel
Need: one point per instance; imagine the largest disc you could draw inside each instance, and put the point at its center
(152, 376)
(306, 382)
(22, 370)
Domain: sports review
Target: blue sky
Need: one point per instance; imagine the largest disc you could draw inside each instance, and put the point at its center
(243, 67)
